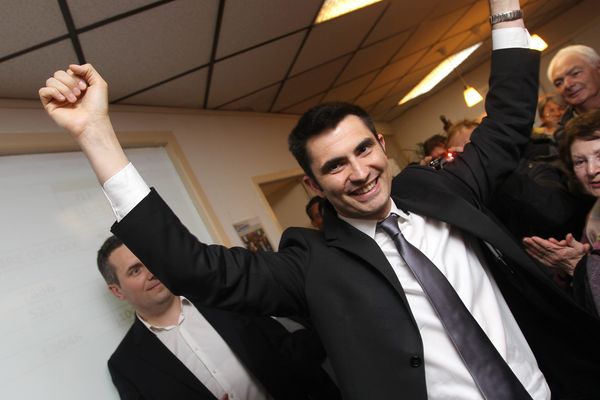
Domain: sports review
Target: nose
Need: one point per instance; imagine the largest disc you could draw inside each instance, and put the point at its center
(593, 167)
(359, 172)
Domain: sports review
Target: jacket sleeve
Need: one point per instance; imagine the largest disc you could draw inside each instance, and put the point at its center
(263, 283)
(496, 145)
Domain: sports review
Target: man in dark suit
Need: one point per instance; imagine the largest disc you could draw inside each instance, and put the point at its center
(175, 350)
(381, 333)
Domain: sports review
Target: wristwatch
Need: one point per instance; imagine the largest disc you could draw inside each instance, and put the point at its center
(506, 16)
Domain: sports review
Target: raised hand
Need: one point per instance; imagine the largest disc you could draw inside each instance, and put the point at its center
(77, 100)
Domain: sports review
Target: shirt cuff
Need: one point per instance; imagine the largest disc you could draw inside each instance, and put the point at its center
(124, 190)
(507, 38)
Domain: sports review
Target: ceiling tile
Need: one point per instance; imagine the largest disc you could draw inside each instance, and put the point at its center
(396, 70)
(477, 15)
(444, 49)
(252, 70)
(384, 106)
(304, 106)
(336, 37)
(26, 23)
(162, 42)
(260, 101)
(247, 23)
(401, 16)
(23, 76)
(446, 7)
(431, 31)
(373, 57)
(349, 91)
(309, 83)
(87, 12)
(187, 92)
(370, 98)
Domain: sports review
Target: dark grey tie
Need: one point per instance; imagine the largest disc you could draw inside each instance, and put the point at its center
(493, 376)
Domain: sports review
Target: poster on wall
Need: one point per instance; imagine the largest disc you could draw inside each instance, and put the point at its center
(253, 235)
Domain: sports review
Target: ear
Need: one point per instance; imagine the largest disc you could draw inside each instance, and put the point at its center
(381, 141)
(116, 291)
(311, 183)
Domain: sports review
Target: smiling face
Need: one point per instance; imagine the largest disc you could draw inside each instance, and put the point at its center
(351, 169)
(578, 82)
(137, 284)
(586, 163)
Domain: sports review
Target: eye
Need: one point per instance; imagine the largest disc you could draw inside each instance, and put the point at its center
(133, 271)
(558, 83)
(577, 163)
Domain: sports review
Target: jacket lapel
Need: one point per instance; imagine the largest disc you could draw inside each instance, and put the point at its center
(152, 351)
(344, 236)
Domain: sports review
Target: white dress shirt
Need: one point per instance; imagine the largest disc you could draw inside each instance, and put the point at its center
(458, 259)
(204, 352)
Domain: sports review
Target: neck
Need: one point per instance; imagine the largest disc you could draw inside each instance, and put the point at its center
(164, 314)
(591, 104)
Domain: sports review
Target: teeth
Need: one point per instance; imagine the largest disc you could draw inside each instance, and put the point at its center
(366, 188)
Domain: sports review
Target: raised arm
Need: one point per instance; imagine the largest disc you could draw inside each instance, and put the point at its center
(77, 100)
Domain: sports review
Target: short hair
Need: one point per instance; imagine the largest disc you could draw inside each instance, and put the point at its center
(586, 127)
(317, 120)
(587, 53)
(433, 142)
(107, 270)
(465, 123)
(311, 202)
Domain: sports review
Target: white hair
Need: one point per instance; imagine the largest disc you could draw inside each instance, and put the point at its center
(588, 54)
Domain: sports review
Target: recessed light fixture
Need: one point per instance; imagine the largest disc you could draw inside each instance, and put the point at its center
(537, 43)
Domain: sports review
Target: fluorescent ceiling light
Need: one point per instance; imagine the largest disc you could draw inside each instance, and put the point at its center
(334, 8)
(537, 43)
(439, 73)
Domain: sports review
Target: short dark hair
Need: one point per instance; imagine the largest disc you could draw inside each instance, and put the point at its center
(585, 126)
(107, 270)
(317, 120)
(311, 202)
(433, 142)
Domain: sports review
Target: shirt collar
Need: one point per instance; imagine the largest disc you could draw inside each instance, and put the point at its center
(184, 303)
(368, 226)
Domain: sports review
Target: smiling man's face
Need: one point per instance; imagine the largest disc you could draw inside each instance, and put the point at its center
(137, 284)
(351, 169)
(577, 81)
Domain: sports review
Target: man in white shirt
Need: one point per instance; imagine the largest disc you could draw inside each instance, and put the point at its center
(383, 337)
(177, 350)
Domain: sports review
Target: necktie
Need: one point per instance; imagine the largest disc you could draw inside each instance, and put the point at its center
(491, 374)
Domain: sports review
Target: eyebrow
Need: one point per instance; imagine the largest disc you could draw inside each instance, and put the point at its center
(135, 265)
(569, 71)
(330, 164)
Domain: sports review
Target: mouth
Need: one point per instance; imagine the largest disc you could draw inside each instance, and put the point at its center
(365, 189)
(154, 286)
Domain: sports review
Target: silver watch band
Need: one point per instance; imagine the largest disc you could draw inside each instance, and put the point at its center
(506, 16)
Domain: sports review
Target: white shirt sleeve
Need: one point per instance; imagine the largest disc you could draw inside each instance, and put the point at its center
(506, 38)
(124, 190)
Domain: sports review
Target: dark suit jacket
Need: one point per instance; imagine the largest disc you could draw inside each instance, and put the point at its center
(143, 368)
(342, 280)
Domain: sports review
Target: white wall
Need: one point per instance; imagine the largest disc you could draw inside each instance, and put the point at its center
(224, 149)
(422, 121)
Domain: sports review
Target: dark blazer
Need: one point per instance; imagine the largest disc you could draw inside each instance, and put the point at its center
(342, 280)
(143, 368)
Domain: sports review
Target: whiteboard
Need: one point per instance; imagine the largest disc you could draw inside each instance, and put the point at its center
(59, 323)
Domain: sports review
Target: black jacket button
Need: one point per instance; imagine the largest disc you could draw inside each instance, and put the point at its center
(416, 361)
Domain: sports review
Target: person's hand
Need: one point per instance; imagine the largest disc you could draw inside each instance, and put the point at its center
(562, 255)
(76, 99)
(426, 160)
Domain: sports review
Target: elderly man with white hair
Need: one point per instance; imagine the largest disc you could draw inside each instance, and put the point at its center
(575, 73)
